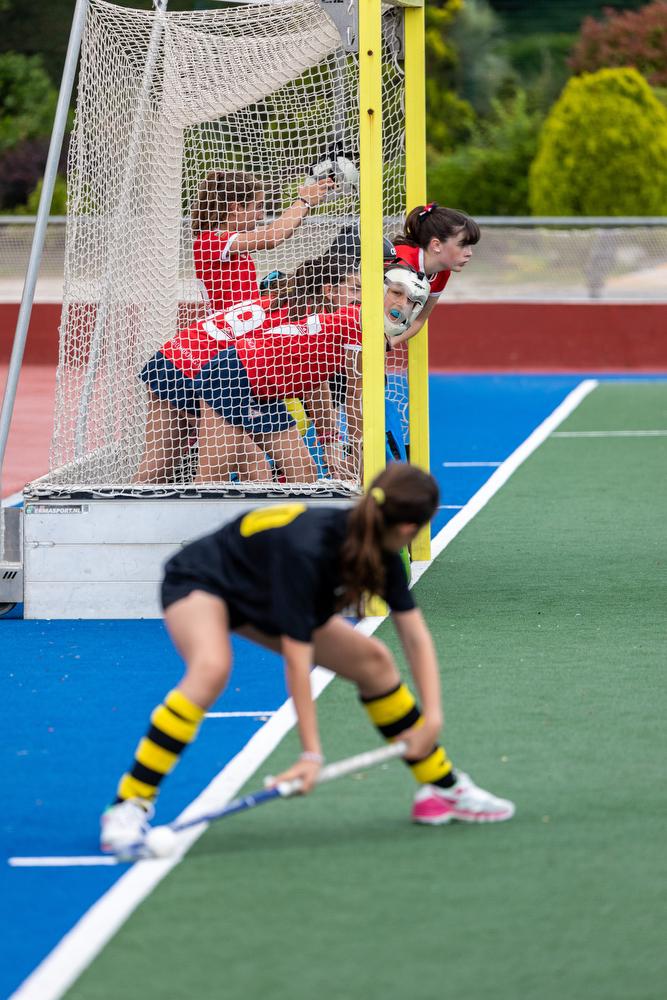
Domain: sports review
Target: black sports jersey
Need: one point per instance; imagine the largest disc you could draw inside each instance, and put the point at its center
(278, 568)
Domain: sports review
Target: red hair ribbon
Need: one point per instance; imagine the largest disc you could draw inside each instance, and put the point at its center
(427, 209)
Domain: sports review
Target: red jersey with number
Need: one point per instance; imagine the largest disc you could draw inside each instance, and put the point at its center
(414, 256)
(286, 358)
(228, 277)
(281, 357)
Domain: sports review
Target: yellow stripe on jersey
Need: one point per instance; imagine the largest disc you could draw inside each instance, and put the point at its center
(266, 518)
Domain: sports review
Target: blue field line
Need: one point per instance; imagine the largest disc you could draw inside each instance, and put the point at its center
(77, 695)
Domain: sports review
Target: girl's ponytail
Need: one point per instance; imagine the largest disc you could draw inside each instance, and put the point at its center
(433, 221)
(401, 494)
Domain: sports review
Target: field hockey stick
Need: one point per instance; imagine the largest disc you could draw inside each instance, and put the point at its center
(160, 841)
(286, 789)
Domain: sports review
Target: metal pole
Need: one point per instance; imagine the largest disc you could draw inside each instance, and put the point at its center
(50, 172)
(134, 146)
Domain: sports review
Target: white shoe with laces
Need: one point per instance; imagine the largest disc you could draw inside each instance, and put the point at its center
(463, 801)
(124, 826)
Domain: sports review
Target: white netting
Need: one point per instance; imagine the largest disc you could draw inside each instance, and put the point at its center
(195, 134)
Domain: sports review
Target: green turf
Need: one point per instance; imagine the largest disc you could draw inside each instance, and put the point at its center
(549, 615)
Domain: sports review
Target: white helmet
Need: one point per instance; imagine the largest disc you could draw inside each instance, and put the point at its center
(417, 290)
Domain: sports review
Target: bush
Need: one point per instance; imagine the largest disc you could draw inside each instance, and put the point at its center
(540, 62)
(603, 149)
(627, 38)
(449, 118)
(27, 99)
(489, 176)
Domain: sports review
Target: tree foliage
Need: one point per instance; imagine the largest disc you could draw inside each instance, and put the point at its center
(489, 175)
(625, 38)
(449, 118)
(602, 149)
(27, 99)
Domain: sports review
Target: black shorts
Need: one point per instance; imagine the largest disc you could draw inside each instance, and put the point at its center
(176, 586)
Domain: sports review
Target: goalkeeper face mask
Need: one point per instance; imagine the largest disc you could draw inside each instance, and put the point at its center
(406, 293)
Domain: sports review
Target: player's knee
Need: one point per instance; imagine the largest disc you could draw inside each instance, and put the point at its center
(209, 672)
(381, 667)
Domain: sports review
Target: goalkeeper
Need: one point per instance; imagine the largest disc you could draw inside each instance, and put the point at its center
(281, 576)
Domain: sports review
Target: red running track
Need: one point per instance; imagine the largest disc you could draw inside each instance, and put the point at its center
(27, 455)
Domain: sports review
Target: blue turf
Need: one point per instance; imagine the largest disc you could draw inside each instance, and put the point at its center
(77, 694)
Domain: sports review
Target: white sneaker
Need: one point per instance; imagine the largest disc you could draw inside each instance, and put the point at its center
(463, 801)
(124, 826)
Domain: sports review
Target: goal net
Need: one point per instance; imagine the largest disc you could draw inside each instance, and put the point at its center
(210, 335)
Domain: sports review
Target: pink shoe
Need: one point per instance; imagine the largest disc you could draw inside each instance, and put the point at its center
(463, 801)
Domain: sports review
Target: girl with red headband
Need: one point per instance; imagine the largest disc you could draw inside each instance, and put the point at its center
(435, 241)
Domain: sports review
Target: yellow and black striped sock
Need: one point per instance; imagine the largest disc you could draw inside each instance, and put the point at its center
(174, 725)
(394, 712)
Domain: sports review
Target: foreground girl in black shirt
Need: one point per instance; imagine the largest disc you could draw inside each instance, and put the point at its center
(281, 575)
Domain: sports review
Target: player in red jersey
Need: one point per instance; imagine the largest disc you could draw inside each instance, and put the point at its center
(436, 241)
(290, 355)
(202, 362)
(228, 225)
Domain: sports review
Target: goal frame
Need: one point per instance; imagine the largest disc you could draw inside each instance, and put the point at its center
(369, 44)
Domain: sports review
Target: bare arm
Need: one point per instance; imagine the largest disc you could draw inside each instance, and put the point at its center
(418, 323)
(269, 236)
(298, 661)
(420, 653)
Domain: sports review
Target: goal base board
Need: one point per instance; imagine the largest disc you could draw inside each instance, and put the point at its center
(102, 558)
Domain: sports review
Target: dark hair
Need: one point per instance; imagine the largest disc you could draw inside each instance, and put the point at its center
(302, 292)
(401, 494)
(427, 222)
(219, 190)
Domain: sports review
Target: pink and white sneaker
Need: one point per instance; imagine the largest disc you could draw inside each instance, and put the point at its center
(463, 801)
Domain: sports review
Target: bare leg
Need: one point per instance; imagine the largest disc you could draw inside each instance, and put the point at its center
(291, 455)
(199, 628)
(224, 449)
(339, 647)
(168, 434)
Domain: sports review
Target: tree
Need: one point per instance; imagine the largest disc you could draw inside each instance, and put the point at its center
(449, 118)
(602, 149)
(489, 175)
(627, 38)
(27, 99)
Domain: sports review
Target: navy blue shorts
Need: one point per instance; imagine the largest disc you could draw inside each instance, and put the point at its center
(170, 384)
(223, 383)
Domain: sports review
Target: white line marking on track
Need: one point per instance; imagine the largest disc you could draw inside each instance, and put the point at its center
(450, 506)
(239, 715)
(12, 500)
(609, 434)
(63, 861)
(97, 926)
(471, 465)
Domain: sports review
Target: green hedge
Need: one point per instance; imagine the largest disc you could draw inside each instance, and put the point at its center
(489, 176)
(603, 149)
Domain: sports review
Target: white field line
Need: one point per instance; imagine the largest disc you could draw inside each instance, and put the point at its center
(98, 925)
(240, 715)
(471, 465)
(10, 501)
(610, 434)
(503, 473)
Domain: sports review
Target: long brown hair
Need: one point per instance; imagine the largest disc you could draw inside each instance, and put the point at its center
(218, 190)
(401, 494)
(302, 292)
(426, 222)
